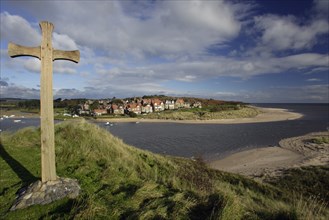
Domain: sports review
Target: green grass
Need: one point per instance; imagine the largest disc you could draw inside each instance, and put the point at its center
(312, 181)
(203, 114)
(122, 182)
(321, 140)
(308, 186)
(26, 110)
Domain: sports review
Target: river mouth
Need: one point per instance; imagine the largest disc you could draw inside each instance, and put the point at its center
(208, 141)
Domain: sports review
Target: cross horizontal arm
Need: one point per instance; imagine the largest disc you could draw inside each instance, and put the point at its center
(67, 55)
(15, 50)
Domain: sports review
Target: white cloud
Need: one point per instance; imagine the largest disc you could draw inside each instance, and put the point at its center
(171, 28)
(65, 67)
(313, 80)
(187, 78)
(285, 32)
(282, 94)
(318, 70)
(137, 89)
(135, 48)
(32, 65)
(207, 68)
(16, 29)
(215, 17)
(304, 60)
(20, 31)
(309, 93)
(15, 91)
(63, 42)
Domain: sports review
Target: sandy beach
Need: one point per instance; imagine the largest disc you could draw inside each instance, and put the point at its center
(267, 115)
(271, 161)
(18, 114)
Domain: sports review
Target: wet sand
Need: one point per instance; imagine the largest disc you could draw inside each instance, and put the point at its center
(271, 161)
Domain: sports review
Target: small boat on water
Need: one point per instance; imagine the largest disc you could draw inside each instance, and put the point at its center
(108, 124)
(16, 121)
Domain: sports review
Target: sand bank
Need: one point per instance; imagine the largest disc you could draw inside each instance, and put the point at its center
(291, 152)
(18, 114)
(267, 115)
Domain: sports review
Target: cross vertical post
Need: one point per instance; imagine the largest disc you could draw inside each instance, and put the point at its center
(47, 55)
(46, 104)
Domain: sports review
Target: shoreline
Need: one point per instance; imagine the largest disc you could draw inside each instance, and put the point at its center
(267, 115)
(272, 161)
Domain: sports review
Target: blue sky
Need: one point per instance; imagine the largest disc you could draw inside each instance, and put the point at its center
(251, 51)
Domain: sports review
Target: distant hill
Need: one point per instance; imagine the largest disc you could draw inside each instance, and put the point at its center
(11, 99)
(204, 101)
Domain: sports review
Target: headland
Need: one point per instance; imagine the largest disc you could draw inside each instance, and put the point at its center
(264, 115)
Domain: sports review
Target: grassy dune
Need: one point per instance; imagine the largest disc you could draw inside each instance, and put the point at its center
(121, 182)
(196, 114)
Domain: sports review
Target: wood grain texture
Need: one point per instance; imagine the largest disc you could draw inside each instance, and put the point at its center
(46, 103)
(15, 50)
(47, 55)
(67, 55)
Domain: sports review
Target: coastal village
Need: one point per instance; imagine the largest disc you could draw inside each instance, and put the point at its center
(131, 106)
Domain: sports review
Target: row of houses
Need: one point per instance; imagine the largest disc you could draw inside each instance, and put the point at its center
(137, 106)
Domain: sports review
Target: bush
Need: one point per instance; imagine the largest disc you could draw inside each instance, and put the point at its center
(132, 114)
(321, 140)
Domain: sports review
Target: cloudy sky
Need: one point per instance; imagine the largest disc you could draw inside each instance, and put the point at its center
(251, 50)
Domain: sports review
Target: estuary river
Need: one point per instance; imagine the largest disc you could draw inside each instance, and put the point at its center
(210, 141)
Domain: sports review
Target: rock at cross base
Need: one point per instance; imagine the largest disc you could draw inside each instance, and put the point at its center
(46, 192)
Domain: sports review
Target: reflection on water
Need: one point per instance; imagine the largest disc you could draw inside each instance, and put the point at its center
(210, 140)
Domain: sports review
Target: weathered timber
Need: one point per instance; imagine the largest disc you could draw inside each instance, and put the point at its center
(47, 55)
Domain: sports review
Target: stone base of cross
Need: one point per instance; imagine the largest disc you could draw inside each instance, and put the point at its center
(47, 55)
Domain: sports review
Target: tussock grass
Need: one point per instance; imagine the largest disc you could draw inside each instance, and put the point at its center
(199, 114)
(308, 207)
(310, 183)
(122, 182)
(321, 140)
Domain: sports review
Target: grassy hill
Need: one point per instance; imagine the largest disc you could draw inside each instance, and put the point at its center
(121, 182)
(203, 114)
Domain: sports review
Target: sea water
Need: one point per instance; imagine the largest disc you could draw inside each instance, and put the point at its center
(209, 141)
(212, 141)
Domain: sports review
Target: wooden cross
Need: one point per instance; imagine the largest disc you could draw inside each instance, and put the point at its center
(47, 55)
